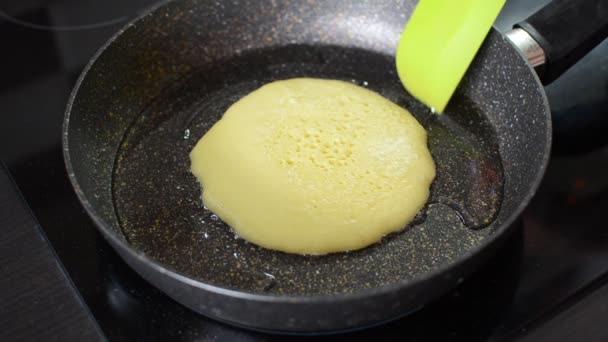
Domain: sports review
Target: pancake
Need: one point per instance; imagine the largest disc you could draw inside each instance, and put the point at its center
(312, 166)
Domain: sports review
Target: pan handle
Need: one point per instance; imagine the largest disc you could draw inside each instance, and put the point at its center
(561, 33)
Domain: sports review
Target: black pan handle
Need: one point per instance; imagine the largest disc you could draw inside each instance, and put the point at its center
(565, 31)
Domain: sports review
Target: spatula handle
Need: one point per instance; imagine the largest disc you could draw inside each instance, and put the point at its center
(567, 30)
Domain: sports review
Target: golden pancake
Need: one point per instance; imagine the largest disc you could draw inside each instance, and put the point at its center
(313, 166)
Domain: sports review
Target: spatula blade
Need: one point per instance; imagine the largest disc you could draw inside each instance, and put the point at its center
(438, 45)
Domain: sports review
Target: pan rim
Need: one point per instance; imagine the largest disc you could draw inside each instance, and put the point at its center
(157, 266)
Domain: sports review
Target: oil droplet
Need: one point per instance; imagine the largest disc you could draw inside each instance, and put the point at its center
(187, 134)
(214, 217)
(270, 281)
(469, 177)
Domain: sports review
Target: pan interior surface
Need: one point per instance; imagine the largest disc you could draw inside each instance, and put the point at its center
(158, 205)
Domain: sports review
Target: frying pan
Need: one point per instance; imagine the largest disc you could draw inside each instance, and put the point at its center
(155, 88)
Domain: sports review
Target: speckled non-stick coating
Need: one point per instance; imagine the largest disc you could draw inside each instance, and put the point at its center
(158, 201)
(168, 77)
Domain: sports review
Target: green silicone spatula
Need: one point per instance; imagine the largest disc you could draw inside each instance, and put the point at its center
(438, 45)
